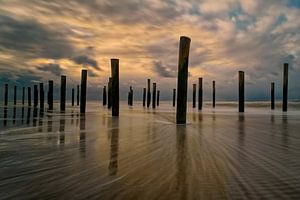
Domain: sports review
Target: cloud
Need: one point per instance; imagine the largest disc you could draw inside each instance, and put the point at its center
(85, 60)
(54, 69)
(163, 71)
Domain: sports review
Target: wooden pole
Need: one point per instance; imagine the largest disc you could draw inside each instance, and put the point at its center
(272, 95)
(83, 91)
(241, 91)
(194, 95)
(214, 94)
(42, 96)
(200, 94)
(115, 86)
(104, 96)
(23, 96)
(35, 96)
(5, 94)
(131, 96)
(63, 82)
(158, 94)
(285, 87)
(148, 93)
(50, 95)
(73, 96)
(154, 96)
(144, 97)
(109, 93)
(15, 95)
(174, 97)
(78, 93)
(182, 81)
(29, 95)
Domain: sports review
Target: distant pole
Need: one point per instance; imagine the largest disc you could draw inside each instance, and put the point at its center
(285, 87)
(148, 93)
(23, 96)
(158, 94)
(194, 95)
(78, 91)
(35, 96)
(50, 95)
(272, 95)
(241, 91)
(73, 96)
(182, 81)
(15, 95)
(83, 91)
(104, 96)
(144, 97)
(109, 93)
(154, 96)
(174, 97)
(29, 95)
(214, 94)
(6, 94)
(200, 94)
(131, 96)
(115, 86)
(128, 98)
(63, 82)
(42, 96)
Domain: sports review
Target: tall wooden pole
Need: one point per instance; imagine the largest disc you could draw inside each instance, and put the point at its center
(241, 91)
(42, 96)
(29, 95)
(73, 96)
(200, 94)
(154, 96)
(63, 82)
(285, 87)
(214, 94)
(83, 91)
(5, 94)
(109, 93)
(182, 81)
(158, 94)
(148, 93)
(35, 96)
(23, 95)
(272, 95)
(194, 95)
(115, 86)
(174, 97)
(144, 97)
(50, 95)
(15, 95)
(104, 96)
(78, 93)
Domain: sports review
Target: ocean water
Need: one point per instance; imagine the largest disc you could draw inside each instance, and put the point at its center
(143, 154)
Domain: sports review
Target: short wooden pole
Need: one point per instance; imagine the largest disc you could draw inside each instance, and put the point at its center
(78, 93)
(194, 95)
(174, 97)
(131, 96)
(148, 93)
(29, 95)
(241, 91)
(5, 94)
(272, 95)
(35, 96)
(73, 96)
(42, 96)
(144, 97)
(285, 87)
(83, 91)
(104, 96)
(200, 94)
(158, 94)
(23, 95)
(109, 93)
(50, 94)
(63, 82)
(15, 95)
(154, 96)
(182, 81)
(115, 86)
(214, 94)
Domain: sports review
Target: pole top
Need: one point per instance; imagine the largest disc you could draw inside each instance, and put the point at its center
(185, 38)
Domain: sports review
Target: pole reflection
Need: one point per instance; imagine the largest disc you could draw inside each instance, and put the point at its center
(62, 123)
(5, 116)
(114, 146)
(82, 137)
(14, 114)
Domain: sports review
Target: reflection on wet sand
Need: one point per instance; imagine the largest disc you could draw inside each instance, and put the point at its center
(62, 123)
(82, 137)
(35, 114)
(14, 115)
(28, 115)
(114, 146)
(285, 131)
(4, 116)
(22, 115)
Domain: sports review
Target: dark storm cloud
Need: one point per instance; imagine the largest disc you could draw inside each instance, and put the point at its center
(85, 60)
(163, 71)
(54, 69)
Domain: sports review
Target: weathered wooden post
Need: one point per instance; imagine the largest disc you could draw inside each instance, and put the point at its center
(104, 96)
(182, 81)
(50, 94)
(158, 94)
(109, 93)
(154, 96)
(144, 97)
(174, 97)
(83, 91)
(272, 95)
(42, 98)
(241, 91)
(5, 94)
(194, 95)
(35, 96)
(214, 94)
(285, 87)
(78, 91)
(148, 93)
(15, 95)
(63, 82)
(200, 94)
(131, 96)
(29, 95)
(115, 86)
(73, 96)
(23, 95)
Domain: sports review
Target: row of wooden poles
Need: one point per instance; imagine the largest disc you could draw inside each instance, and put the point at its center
(112, 96)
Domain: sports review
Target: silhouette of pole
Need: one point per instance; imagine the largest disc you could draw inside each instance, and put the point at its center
(148, 93)
(182, 81)
(15, 95)
(83, 91)
(200, 94)
(42, 96)
(29, 95)
(78, 92)
(73, 96)
(158, 94)
(63, 82)
(104, 96)
(144, 97)
(50, 94)
(109, 93)
(272, 95)
(241, 91)
(214, 94)
(154, 96)
(115, 86)
(35, 96)
(131, 96)
(5, 94)
(194, 95)
(285, 87)
(174, 97)
(23, 95)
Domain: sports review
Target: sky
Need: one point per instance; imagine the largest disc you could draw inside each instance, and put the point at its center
(42, 39)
